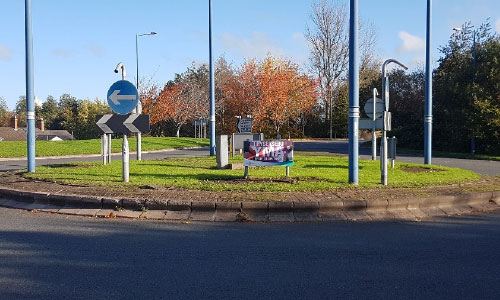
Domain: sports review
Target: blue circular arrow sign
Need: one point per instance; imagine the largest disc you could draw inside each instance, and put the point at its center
(122, 97)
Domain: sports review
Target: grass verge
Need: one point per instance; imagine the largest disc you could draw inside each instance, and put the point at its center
(309, 173)
(47, 148)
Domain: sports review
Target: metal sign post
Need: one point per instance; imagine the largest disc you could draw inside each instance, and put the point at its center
(374, 134)
(387, 118)
(373, 109)
(122, 98)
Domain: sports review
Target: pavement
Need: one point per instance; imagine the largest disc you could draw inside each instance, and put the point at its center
(212, 208)
(52, 256)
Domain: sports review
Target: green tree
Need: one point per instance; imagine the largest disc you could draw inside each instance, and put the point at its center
(49, 112)
(87, 112)
(5, 114)
(68, 114)
(466, 96)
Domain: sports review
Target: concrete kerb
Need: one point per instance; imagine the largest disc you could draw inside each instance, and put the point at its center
(430, 206)
(453, 205)
(399, 208)
(356, 210)
(228, 211)
(265, 211)
(331, 210)
(377, 209)
(255, 211)
(202, 211)
(481, 201)
(306, 211)
(178, 210)
(495, 197)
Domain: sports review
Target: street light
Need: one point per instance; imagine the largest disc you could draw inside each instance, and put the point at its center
(212, 81)
(139, 104)
(474, 59)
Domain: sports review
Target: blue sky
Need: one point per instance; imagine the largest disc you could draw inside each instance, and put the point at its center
(77, 44)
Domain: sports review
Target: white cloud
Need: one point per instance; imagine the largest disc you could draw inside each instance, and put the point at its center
(60, 53)
(418, 60)
(96, 50)
(258, 45)
(298, 36)
(497, 25)
(5, 53)
(411, 43)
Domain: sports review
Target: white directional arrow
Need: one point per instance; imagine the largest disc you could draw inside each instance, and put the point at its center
(115, 98)
(102, 124)
(128, 123)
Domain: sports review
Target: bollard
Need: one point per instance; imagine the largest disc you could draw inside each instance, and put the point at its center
(104, 149)
(109, 148)
(392, 150)
(125, 159)
(221, 154)
(139, 146)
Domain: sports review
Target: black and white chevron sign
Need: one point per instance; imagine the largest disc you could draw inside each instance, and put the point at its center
(123, 123)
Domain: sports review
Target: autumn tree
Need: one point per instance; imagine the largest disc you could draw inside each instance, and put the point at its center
(272, 91)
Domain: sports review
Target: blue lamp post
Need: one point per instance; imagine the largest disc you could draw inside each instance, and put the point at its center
(428, 90)
(30, 98)
(212, 82)
(353, 93)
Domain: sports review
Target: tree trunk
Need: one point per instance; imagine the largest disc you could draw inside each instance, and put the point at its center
(178, 130)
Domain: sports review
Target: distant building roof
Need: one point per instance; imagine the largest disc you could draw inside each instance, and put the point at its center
(11, 134)
(49, 135)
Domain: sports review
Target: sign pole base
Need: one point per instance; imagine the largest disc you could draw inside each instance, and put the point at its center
(246, 172)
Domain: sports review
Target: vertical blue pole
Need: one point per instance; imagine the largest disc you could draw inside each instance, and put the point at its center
(212, 82)
(428, 90)
(30, 99)
(353, 93)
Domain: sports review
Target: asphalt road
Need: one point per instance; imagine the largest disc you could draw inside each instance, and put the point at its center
(485, 167)
(44, 256)
(15, 164)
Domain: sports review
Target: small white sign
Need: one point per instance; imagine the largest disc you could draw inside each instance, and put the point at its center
(245, 125)
(379, 108)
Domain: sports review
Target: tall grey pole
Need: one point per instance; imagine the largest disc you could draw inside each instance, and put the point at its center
(138, 109)
(212, 82)
(137, 61)
(139, 136)
(353, 92)
(385, 97)
(428, 90)
(30, 98)
(125, 147)
(374, 133)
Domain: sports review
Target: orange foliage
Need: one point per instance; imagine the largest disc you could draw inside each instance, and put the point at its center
(272, 92)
